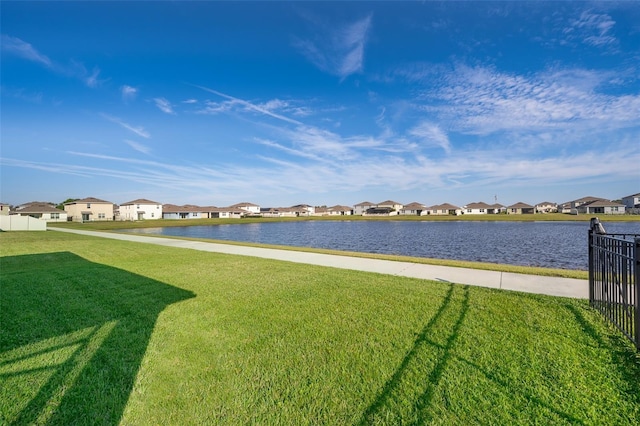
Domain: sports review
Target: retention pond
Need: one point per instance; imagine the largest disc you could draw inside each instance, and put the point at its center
(545, 244)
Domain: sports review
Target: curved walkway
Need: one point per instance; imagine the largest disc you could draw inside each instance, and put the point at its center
(553, 286)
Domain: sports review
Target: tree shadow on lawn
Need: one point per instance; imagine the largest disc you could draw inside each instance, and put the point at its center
(73, 334)
(415, 383)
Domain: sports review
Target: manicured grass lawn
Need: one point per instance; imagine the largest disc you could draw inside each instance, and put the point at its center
(97, 331)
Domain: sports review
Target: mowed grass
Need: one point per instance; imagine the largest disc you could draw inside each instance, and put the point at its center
(98, 331)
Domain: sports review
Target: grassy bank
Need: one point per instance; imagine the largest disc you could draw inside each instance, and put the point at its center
(103, 331)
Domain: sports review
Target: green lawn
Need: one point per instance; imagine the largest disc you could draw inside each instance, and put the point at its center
(97, 331)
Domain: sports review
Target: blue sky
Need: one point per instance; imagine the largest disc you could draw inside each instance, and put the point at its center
(283, 103)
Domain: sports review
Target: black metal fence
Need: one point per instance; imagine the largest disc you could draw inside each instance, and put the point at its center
(614, 278)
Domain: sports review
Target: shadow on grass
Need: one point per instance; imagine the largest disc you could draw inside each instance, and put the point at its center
(414, 384)
(625, 357)
(423, 344)
(73, 334)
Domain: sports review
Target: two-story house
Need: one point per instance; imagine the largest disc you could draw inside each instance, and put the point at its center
(140, 209)
(89, 209)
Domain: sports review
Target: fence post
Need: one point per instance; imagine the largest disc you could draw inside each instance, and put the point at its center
(595, 227)
(591, 278)
(636, 273)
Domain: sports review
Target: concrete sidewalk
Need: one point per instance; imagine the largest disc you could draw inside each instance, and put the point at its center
(565, 287)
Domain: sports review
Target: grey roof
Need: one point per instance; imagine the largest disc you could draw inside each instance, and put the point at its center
(88, 200)
(140, 201)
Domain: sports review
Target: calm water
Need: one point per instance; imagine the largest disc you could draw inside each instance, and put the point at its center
(546, 244)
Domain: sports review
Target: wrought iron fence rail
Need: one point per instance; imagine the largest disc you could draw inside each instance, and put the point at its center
(614, 278)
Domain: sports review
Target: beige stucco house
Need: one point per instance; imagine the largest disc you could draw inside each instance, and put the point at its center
(140, 209)
(520, 208)
(4, 209)
(89, 210)
(601, 207)
(546, 207)
(444, 209)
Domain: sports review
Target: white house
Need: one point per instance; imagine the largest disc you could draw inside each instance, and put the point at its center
(477, 208)
(172, 211)
(361, 208)
(250, 208)
(339, 210)
(305, 209)
(140, 209)
(413, 209)
(43, 211)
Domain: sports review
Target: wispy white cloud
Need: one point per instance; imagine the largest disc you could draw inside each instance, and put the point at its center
(164, 105)
(128, 93)
(25, 50)
(92, 80)
(482, 101)
(190, 101)
(138, 146)
(431, 134)
(338, 51)
(232, 101)
(21, 48)
(592, 28)
(140, 131)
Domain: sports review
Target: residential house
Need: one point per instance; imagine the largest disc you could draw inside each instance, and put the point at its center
(44, 211)
(413, 209)
(305, 209)
(444, 210)
(320, 211)
(601, 207)
(172, 211)
(250, 208)
(141, 209)
(520, 208)
(632, 201)
(4, 209)
(497, 208)
(226, 212)
(89, 209)
(546, 207)
(390, 205)
(340, 211)
(477, 208)
(571, 207)
(361, 208)
(279, 212)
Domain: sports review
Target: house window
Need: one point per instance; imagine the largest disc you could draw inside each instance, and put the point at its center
(195, 215)
(152, 213)
(101, 215)
(55, 215)
(88, 205)
(481, 210)
(138, 206)
(468, 210)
